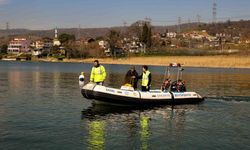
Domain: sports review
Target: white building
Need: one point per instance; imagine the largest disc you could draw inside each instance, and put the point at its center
(37, 44)
(103, 44)
(171, 34)
(56, 42)
(19, 45)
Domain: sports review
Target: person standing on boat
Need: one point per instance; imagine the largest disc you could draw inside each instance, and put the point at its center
(146, 79)
(131, 77)
(98, 73)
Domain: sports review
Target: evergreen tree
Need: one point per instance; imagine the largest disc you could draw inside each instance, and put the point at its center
(146, 36)
(149, 38)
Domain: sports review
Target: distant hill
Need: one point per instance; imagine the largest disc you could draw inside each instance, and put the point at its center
(86, 32)
(234, 27)
(83, 32)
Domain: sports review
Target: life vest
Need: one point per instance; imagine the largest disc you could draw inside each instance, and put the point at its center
(145, 78)
(98, 74)
(127, 84)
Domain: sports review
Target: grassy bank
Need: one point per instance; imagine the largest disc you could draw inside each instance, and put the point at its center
(195, 61)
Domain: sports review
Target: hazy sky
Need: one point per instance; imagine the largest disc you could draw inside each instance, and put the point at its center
(47, 14)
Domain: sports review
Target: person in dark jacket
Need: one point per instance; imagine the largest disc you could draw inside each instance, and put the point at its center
(146, 79)
(131, 77)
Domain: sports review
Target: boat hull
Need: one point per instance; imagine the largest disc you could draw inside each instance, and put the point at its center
(121, 97)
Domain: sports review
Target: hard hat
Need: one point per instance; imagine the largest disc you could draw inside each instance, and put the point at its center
(82, 73)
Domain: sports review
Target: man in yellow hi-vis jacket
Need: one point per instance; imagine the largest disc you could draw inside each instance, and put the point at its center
(98, 73)
(146, 79)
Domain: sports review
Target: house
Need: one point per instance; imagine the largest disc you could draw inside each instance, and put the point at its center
(19, 45)
(90, 40)
(171, 34)
(37, 47)
(103, 44)
(47, 44)
(37, 44)
(41, 46)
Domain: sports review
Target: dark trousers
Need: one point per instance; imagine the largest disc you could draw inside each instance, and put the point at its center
(99, 83)
(144, 88)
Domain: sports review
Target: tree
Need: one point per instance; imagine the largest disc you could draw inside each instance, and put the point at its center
(4, 48)
(135, 29)
(149, 38)
(113, 40)
(146, 36)
(65, 38)
(55, 50)
(99, 38)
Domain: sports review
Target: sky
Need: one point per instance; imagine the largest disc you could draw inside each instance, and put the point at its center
(48, 14)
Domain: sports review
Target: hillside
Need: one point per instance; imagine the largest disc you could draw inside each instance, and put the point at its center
(235, 28)
(84, 32)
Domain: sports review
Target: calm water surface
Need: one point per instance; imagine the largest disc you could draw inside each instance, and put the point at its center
(41, 107)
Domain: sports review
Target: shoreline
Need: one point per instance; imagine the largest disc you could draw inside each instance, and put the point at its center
(222, 61)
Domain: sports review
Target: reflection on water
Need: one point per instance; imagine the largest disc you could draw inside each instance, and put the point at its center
(96, 135)
(41, 107)
(145, 132)
(133, 119)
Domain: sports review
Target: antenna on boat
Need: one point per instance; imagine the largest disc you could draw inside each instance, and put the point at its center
(179, 74)
(181, 69)
(167, 72)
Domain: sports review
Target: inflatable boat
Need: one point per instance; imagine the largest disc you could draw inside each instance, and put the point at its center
(99, 93)
(171, 93)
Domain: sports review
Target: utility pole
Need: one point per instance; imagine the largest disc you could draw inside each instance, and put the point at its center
(179, 25)
(7, 28)
(214, 11)
(78, 32)
(148, 20)
(198, 19)
(124, 26)
(189, 22)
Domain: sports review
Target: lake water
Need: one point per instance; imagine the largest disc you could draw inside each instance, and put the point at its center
(41, 107)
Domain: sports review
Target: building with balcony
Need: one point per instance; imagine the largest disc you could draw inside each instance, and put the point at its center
(19, 45)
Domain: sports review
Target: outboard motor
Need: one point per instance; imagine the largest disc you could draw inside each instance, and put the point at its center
(173, 86)
(81, 80)
(178, 86)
